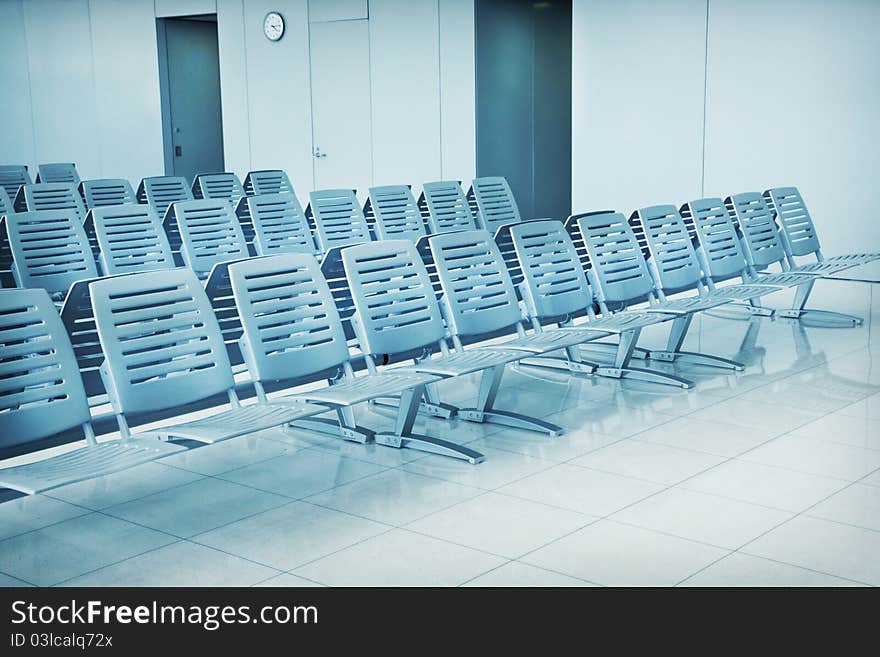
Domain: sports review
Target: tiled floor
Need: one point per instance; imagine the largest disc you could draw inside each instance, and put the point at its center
(766, 477)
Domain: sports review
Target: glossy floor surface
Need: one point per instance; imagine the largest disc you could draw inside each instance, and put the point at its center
(766, 477)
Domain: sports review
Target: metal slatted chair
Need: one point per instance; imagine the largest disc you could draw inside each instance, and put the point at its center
(339, 218)
(267, 181)
(764, 248)
(447, 207)
(279, 224)
(224, 185)
(164, 350)
(396, 213)
(6, 278)
(57, 172)
(13, 176)
(50, 196)
(798, 232)
(555, 291)
(162, 191)
(130, 239)
(495, 203)
(397, 313)
(620, 277)
(209, 233)
(42, 395)
(106, 191)
(49, 250)
(293, 331)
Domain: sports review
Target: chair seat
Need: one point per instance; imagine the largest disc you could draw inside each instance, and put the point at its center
(628, 320)
(464, 362)
(824, 267)
(856, 258)
(367, 387)
(785, 279)
(745, 291)
(551, 340)
(686, 305)
(84, 463)
(237, 422)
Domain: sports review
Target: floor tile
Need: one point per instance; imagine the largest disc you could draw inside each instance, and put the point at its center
(302, 473)
(179, 564)
(613, 554)
(230, 454)
(7, 582)
(196, 507)
(124, 486)
(575, 441)
(701, 517)
(500, 467)
(752, 414)
(400, 558)
(24, 514)
(839, 428)
(394, 497)
(580, 489)
(714, 437)
(828, 547)
(872, 479)
(858, 504)
(816, 457)
(515, 573)
(291, 535)
(766, 485)
(649, 461)
(73, 547)
(286, 580)
(867, 408)
(740, 569)
(500, 524)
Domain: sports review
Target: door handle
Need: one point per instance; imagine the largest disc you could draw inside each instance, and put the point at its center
(178, 151)
(318, 153)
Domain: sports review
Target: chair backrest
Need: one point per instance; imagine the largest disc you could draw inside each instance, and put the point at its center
(161, 341)
(798, 232)
(209, 233)
(50, 196)
(268, 181)
(396, 310)
(130, 239)
(339, 219)
(760, 235)
(13, 176)
(225, 185)
(5, 203)
(41, 392)
(57, 172)
(554, 282)
(495, 203)
(290, 323)
(478, 295)
(50, 249)
(448, 207)
(718, 243)
(619, 269)
(669, 246)
(162, 191)
(106, 191)
(219, 291)
(396, 212)
(279, 224)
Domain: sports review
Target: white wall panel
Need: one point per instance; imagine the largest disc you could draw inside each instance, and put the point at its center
(637, 102)
(337, 10)
(59, 47)
(457, 90)
(16, 127)
(233, 86)
(168, 8)
(129, 126)
(793, 99)
(279, 107)
(405, 91)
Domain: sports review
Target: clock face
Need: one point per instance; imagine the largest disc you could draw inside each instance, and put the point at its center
(273, 26)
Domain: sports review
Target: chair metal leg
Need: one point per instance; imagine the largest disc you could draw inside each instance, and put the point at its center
(622, 370)
(609, 350)
(673, 353)
(572, 363)
(484, 411)
(344, 427)
(429, 405)
(817, 318)
(402, 436)
(740, 311)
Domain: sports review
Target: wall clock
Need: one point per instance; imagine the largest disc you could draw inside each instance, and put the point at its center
(273, 26)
